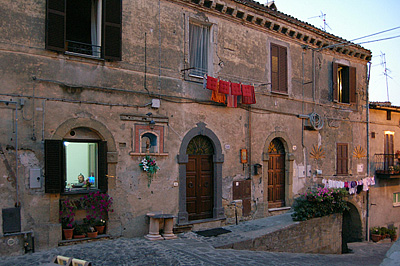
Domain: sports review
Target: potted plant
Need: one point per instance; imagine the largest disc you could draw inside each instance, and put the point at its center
(375, 234)
(79, 231)
(149, 166)
(393, 234)
(67, 217)
(384, 232)
(91, 232)
(97, 206)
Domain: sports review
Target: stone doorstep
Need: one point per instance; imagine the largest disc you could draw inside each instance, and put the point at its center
(82, 240)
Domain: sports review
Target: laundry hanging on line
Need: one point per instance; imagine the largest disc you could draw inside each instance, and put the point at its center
(354, 186)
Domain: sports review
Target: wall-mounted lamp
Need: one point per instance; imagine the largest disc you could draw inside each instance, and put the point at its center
(256, 167)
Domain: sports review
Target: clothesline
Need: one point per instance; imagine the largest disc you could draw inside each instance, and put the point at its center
(353, 186)
(225, 90)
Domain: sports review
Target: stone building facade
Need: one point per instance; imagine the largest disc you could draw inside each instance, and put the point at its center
(126, 79)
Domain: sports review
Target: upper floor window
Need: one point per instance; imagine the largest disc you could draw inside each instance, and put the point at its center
(342, 159)
(344, 83)
(279, 76)
(396, 199)
(89, 28)
(199, 38)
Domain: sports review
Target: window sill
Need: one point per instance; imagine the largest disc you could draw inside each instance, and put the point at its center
(144, 154)
(83, 55)
(79, 191)
(280, 93)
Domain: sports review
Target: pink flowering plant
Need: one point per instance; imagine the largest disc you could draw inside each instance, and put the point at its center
(97, 206)
(67, 213)
(318, 203)
(150, 166)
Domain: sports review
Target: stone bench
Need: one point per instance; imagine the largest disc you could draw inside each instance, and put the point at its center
(154, 227)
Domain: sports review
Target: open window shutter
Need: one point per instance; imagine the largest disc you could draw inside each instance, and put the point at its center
(334, 82)
(274, 68)
(102, 167)
(283, 70)
(112, 29)
(55, 25)
(54, 166)
(353, 85)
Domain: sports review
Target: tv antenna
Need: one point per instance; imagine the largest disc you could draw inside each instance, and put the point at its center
(386, 72)
(323, 17)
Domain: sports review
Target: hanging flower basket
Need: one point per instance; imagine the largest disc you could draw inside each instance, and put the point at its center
(149, 166)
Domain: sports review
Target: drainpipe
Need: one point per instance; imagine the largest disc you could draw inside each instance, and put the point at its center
(249, 132)
(368, 154)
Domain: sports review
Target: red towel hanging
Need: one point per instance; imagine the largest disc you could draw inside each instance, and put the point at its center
(212, 83)
(246, 90)
(249, 99)
(236, 89)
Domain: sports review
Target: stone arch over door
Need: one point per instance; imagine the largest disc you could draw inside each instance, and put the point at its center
(289, 157)
(351, 227)
(218, 159)
(101, 130)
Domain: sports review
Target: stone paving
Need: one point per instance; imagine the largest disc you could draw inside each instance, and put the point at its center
(192, 249)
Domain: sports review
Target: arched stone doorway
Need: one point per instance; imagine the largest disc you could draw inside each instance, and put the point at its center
(351, 227)
(276, 174)
(200, 148)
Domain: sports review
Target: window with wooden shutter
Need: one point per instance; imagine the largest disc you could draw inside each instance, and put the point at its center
(102, 167)
(279, 77)
(344, 85)
(89, 28)
(54, 165)
(112, 29)
(342, 159)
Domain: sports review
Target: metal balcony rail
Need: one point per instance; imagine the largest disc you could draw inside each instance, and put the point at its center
(84, 48)
(385, 162)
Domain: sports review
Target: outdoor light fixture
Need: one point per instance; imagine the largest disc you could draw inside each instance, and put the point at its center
(152, 124)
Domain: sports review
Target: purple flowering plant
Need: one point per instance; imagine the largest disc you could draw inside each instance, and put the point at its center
(97, 206)
(319, 202)
(67, 213)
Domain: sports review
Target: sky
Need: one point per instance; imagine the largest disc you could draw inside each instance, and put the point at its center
(352, 19)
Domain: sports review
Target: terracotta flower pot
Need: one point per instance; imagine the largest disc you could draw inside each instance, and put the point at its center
(393, 238)
(375, 237)
(79, 236)
(68, 233)
(100, 229)
(92, 234)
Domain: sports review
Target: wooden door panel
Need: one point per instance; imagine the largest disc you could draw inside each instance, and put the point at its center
(276, 180)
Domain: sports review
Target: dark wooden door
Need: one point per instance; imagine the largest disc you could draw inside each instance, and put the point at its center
(199, 187)
(276, 180)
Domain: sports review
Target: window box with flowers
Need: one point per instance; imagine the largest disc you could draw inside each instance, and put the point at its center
(149, 165)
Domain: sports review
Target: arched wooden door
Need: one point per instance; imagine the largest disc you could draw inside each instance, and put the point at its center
(276, 174)
(199, 179)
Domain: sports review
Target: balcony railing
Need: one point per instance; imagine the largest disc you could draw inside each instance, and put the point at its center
(84, 49)
(387, 165)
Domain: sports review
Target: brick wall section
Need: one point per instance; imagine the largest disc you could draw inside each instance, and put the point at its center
(319, 235)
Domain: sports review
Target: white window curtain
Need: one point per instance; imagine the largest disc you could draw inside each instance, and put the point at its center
(96, 27)
(198, 49)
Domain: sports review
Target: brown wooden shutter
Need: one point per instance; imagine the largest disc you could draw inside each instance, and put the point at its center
(342, 158)
(102, 167)
(55, 25)
(54, 158)
(334, 82)
(112, 29)
(274, 67)
(352, 85)
(283, 69)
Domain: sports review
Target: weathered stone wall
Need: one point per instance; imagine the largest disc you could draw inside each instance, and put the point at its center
(319, 235)
(61, 91)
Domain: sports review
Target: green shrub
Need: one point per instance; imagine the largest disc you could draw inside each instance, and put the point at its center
(319, 203)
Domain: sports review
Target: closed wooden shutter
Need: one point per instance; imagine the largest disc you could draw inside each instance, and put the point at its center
(54, 163)
(334, 82)
(55, 25)
(342, 158)
(353, 85)
(103, 166)
(279, 75)
(112, 29)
